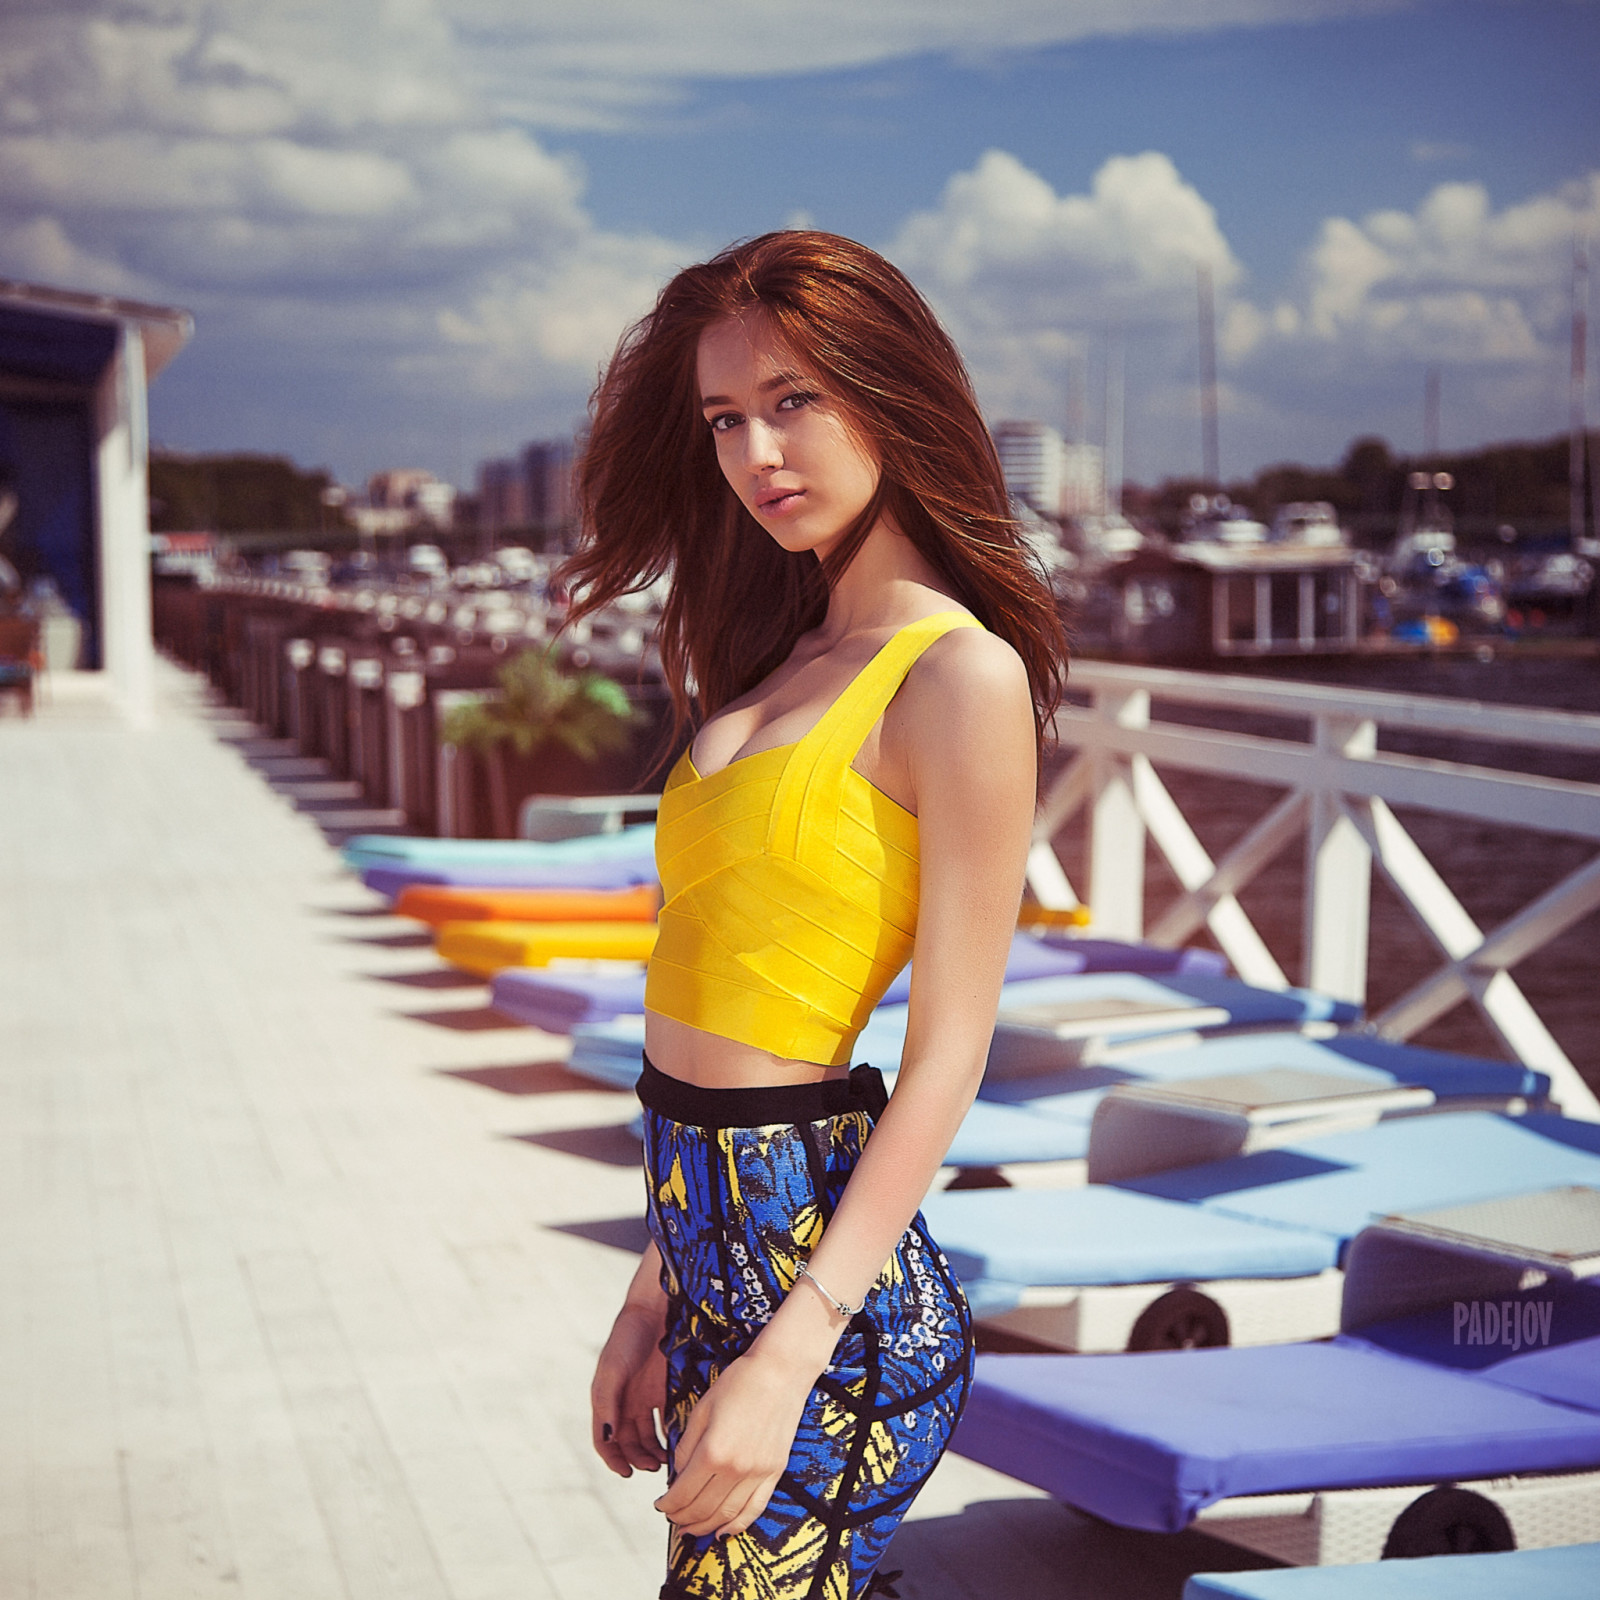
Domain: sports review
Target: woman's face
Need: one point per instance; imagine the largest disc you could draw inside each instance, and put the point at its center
(782, 442)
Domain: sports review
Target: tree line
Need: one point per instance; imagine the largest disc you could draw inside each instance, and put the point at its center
(1521, 484)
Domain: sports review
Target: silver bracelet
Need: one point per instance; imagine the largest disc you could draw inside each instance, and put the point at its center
(803, 1271)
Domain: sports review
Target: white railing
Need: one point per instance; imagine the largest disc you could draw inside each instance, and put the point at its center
(1340, 793)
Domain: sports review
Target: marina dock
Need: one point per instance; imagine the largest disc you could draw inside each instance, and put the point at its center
(307, 1254)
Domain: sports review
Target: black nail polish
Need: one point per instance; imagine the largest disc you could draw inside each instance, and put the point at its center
(605, 1431)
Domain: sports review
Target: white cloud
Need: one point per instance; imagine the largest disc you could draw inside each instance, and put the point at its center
(1026, 278)
(351, 192)
(1030, 281)
(1453, 281)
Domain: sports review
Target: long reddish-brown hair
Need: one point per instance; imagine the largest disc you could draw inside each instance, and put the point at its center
(653, 500)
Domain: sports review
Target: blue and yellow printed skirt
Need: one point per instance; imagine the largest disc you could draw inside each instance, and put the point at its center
(741, 1184)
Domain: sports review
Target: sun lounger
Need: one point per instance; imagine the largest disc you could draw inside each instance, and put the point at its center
(559, 1001)
(1075, 1093)
(609, 872)
(438, 905)
(382, 849)
(1127, 955)
(1055, 1023)
(609, 1052)
(485, 948)
(1570, 1573)
(1144, 1264)
(1317, 1452)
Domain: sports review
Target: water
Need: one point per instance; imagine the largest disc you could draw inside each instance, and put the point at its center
(1494, 871)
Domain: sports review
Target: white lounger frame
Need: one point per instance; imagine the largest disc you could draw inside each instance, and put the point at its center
(1098, 1319)
(1336, 1527)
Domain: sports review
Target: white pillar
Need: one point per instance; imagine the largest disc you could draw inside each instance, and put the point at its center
(127, 646)
(1338, 884)
(1116, 840)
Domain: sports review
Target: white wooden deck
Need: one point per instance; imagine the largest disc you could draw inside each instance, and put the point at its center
(303, 1262)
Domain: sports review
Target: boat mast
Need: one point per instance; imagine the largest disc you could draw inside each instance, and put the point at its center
(1111, 461)
(1210, 455)
(1430, 446)
(1579, 422)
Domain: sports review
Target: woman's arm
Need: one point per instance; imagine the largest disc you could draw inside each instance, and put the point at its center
(630, 1378)
(964, 726)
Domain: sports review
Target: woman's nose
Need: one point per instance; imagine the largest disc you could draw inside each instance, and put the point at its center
(763, 451)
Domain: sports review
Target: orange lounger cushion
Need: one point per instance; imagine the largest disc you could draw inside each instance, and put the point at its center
(488, 947)
(437, 905)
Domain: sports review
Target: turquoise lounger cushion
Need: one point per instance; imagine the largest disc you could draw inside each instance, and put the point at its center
(390, 850)
(1568, 1573)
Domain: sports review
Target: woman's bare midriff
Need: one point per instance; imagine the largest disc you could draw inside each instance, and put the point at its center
(710, 1061)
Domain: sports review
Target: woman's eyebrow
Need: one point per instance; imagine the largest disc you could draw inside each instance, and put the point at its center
(780, 380)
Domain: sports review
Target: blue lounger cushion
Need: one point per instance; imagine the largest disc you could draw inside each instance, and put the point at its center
(558, 1001)
(609, 1052)
(993, 1135)
(1074, 1092)
(1339, 1183)
(1147, 1441)
(383, 849)
(1308, 1199)
(1101, 1234)
(1569, 1572)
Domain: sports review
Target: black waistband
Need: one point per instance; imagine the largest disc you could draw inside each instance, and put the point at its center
(688, 1103)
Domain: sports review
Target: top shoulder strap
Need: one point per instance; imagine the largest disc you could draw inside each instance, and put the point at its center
(851, 717)
(809, 792)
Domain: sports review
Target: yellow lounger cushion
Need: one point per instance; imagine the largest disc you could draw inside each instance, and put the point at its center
(487, 947)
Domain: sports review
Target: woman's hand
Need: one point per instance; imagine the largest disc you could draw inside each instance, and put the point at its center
(736, 1445)
(629, 1388)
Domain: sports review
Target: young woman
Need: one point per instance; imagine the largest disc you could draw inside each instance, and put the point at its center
(792, 439)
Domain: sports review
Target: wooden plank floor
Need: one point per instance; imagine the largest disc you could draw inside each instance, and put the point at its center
(304, 1258)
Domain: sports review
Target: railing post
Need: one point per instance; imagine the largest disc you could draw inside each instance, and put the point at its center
(1116, 837)
(1338, 885)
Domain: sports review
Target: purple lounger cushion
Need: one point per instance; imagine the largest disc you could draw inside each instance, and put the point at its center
(559, 1001)
(1147, 1441)
(622, 872)
(1123, 955)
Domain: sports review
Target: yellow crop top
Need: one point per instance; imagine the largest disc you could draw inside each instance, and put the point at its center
(790, 882)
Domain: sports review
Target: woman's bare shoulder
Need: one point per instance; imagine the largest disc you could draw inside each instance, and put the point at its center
(968, 666)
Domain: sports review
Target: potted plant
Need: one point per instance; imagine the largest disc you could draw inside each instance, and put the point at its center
(547, 722)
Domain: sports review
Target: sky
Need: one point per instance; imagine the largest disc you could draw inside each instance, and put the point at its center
(411, 231)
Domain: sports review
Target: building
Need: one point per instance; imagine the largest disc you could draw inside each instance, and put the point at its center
(1032, 459)
(502, 497)
(74, 451)
(533, 491)
(1083, 480)
(1055, 478)
(407, 500)
(547, 467)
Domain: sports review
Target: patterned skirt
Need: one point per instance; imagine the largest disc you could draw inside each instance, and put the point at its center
(741, 1184)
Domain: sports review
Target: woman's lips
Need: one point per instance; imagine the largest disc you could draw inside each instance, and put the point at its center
(776, 505)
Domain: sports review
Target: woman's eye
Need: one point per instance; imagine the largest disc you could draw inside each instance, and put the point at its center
(724, 422)
(793, 402)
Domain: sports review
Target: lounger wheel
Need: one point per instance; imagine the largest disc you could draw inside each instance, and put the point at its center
(1182, 1319)
(1449, 1522)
